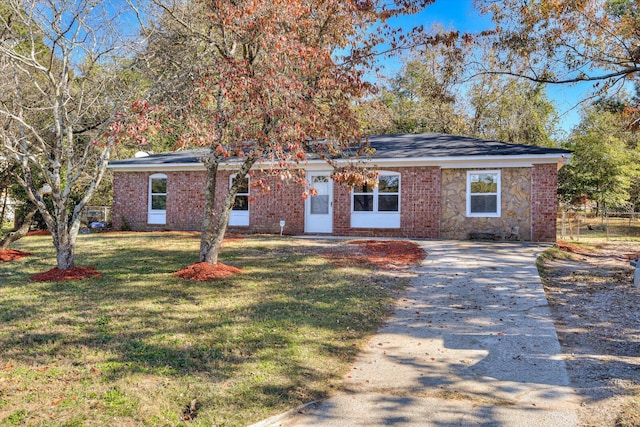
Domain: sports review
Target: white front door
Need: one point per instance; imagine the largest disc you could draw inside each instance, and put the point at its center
(319, 208)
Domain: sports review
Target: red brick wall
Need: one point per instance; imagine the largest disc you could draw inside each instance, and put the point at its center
(544, 202)
(185, 203)
(419, 209)
(130, 193)
(283, 201)
(420, 204)
(185, 200)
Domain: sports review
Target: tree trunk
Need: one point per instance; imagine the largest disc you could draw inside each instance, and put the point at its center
(222, 220)
(4, 205)
(215, 226)
(65, 244)
(208, 224)
(20, 232)
(65, 255)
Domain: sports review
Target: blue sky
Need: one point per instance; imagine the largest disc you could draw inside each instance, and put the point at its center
(458, 14)
(462, 16)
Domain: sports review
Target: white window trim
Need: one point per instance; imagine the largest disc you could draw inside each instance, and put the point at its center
(375, 219)
(498, 195)
(156, 216)
(240, 218)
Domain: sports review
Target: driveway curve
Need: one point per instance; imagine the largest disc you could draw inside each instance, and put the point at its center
(470, 343)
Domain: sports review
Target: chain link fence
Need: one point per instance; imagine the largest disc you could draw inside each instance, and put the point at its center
(575, 222)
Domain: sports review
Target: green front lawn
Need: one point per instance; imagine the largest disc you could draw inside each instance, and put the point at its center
(137, 345)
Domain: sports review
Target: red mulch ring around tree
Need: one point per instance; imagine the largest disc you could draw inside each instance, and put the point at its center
(204, 271)
(384, 254)
(56, 275)
(7, 255)
(39, 233)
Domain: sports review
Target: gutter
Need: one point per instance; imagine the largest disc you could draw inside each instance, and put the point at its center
(449, 162)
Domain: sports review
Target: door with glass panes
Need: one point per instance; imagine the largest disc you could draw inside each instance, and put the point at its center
(319, 207)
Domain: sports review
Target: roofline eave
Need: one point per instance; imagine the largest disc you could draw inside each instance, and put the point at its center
(448, 162)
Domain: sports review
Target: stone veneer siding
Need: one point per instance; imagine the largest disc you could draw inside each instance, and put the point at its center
(515, 205)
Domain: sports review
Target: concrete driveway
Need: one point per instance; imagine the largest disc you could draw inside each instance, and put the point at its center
(471, 343)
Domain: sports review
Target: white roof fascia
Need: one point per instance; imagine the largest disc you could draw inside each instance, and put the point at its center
(462, 162)
(181, 167)
(167, 167)
(457, 162)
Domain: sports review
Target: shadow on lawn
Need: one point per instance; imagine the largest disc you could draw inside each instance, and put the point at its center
(140, 318)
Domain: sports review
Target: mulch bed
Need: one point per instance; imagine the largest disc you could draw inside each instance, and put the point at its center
(603, 250)
(576, 249)
(39, 233)
(203, 271)
(383, 254)
(12, 255)
(56, 275)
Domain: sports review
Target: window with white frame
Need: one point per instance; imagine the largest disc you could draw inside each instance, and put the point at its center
(240, 211)
(157, 206)
(377, 206)
(483, 193)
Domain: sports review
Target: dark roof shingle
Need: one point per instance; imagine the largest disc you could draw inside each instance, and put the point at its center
(402, 146)
(426, 145)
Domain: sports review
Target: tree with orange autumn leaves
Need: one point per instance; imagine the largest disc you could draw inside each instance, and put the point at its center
(568, 42)
(266, 80)
(565, 41)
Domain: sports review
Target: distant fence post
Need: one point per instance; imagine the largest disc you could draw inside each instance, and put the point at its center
(96, 214)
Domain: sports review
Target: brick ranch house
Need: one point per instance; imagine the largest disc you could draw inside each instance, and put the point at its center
(430, 186)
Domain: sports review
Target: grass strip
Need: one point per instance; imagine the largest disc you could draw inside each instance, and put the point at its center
(138, 344)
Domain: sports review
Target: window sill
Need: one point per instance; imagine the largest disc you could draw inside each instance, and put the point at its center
(157, 218)
(239, 219)
(375, 220)
(483, 215)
